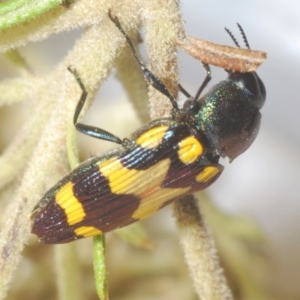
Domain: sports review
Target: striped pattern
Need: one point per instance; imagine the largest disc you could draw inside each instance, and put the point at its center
(165, 163)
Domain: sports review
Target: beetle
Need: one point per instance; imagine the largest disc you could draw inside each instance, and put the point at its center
(164, 160)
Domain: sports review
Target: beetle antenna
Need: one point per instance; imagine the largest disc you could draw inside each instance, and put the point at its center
(243, 35)
(233, 37)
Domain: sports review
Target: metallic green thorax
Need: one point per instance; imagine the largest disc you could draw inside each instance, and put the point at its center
(229, 113)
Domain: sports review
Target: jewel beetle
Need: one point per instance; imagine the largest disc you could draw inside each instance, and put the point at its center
(161, 162)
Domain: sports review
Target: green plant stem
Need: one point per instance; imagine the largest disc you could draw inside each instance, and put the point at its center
(99, 267)
(17, 11)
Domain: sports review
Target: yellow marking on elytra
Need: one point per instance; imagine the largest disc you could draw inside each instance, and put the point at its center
(72, 207)
(87, 231)
(155, 200)
(152, 138)
(146, 184)
(132, 181)
(189, 150)
(207, 173)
